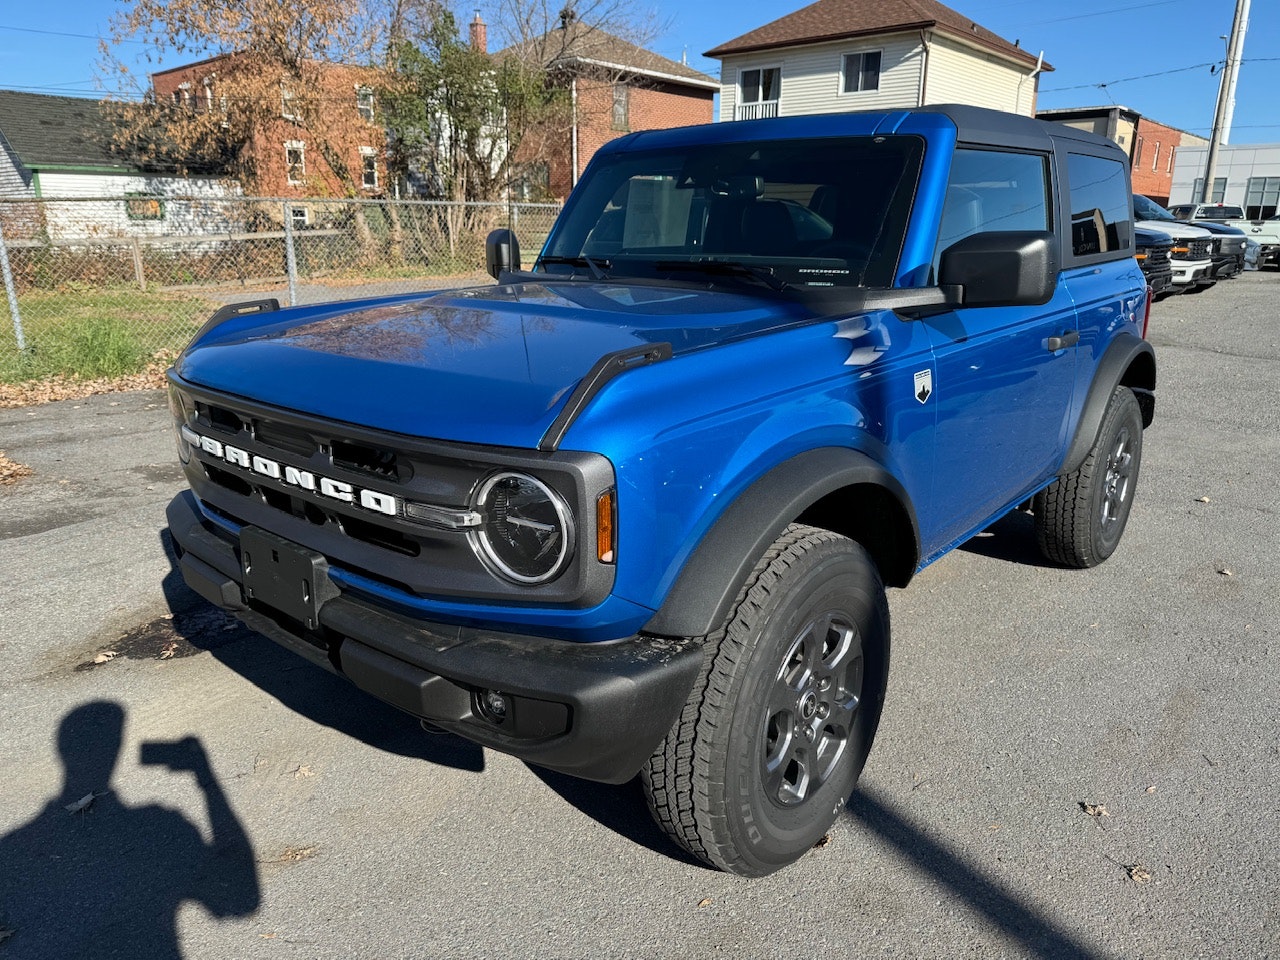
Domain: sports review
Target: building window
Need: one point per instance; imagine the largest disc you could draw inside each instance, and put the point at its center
(288, 108)
(1219, 190)
(1137, 152)
(300, 216)
(621, 106)
(759, 90)
(1261, 197)
(295, 160)
(1169, 166)
(364, 103)
(369, 168)
(1155, 157)
(860, 72)
(142, 206)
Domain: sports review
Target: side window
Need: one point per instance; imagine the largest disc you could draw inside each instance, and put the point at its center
(991, 190)
(1101, 207)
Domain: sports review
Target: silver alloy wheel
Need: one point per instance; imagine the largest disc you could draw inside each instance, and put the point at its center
(809, 717)
(1118, 479)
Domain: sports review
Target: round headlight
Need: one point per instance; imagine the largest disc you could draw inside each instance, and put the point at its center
(527, 531)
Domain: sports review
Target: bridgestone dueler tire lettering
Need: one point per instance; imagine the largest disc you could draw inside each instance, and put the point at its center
(1080, 518)
(710, 784)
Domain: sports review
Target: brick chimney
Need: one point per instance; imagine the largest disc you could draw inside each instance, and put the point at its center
(479, 34)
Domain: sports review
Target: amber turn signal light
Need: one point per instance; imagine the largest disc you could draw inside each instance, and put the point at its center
(606, 527)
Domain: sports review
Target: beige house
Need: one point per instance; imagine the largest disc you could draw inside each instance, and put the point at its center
(840, 55)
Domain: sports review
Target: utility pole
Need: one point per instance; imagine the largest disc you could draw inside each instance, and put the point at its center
(1226, 98)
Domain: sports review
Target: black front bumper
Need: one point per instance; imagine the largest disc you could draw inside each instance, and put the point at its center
(593, 710)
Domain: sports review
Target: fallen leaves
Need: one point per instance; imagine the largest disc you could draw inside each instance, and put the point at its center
(303, 771)
(79, 806)
(168, 650)
(705, 902)
(11, 471)
(1138, 873)
(1203, 500)
(295, 854)
(822, 841)
(68, 388)
(1095, 810)
(106, 656)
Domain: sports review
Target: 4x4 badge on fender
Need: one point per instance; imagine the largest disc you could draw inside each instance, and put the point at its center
(924, 385)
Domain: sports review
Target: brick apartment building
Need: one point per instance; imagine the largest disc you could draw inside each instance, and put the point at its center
(615, 88)
(329, 146)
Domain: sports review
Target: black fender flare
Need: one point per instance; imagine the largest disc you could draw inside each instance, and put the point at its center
(710, 580)
(1130, 361)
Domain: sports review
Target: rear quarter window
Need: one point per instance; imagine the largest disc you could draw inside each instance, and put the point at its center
(1101, 212)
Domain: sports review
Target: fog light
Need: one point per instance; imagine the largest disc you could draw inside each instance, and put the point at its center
(493, 705)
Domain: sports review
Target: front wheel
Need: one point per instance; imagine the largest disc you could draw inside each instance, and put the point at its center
(778, 726)
(1080, 517)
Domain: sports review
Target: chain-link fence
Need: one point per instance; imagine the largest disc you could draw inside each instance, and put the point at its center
(97, 286)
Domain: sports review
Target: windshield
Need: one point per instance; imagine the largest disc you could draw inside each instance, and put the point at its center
(799, 213)
(1149, 209)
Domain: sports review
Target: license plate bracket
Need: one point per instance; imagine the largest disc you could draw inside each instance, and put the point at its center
(285, 576)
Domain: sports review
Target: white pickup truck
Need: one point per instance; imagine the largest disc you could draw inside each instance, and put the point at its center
(1265, 233)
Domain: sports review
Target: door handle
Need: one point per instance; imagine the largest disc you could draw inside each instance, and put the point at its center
(1068, 339)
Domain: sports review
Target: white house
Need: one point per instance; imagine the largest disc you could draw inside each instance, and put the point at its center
(55, 149)
(840, 55)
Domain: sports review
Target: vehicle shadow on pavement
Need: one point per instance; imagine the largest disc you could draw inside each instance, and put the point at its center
(618, 807)
(1011, 538)
(91, 876)
(1036, 934)
(321, 697)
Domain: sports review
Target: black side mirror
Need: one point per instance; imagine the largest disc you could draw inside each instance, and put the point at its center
(1011, 268)
(501, 253)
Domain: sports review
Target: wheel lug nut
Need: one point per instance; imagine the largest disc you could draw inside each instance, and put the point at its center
(824, 683)
(808, 734)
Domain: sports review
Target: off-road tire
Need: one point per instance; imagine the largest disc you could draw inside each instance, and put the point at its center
(750, 777)
(1080, 517)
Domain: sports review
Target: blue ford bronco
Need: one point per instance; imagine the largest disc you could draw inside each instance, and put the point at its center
(634, 510)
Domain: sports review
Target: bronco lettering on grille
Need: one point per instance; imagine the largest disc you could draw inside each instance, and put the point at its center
(292, 476)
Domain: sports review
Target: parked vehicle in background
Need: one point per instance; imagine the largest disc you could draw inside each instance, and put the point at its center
(1228, 250)
(1152, 249)
(1265, 232)
(1206, 211)
(1192, 254)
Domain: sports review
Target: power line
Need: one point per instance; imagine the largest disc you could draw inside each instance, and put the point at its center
(77, 36)
(1145, 76)
(1162, 73)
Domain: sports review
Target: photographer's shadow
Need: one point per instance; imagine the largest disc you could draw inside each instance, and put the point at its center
(89, 876)
(308, 690)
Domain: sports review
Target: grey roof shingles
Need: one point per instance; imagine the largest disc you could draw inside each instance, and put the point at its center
(50, 131)
(828, 20)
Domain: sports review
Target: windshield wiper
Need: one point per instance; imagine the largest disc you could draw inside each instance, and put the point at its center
(728, 268)
(597, 266)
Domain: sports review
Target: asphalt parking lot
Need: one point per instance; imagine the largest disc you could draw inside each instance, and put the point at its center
(1070, 763)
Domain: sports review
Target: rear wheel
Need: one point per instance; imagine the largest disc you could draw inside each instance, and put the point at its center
(779, 724)
(1081, 517)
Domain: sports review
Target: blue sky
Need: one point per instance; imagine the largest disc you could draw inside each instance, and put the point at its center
(1169, 44)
